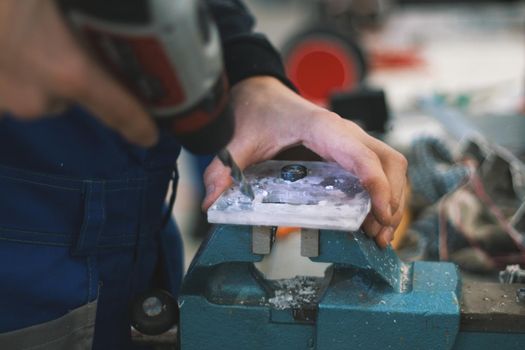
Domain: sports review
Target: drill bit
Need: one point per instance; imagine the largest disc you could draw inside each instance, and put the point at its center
(236, 173)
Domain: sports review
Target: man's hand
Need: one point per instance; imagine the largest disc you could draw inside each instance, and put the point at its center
(43, 68)
(270, 117)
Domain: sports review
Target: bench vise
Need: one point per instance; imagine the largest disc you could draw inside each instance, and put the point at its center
(367, 299)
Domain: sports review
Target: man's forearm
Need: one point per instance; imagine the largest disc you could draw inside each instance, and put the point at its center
(246, 53)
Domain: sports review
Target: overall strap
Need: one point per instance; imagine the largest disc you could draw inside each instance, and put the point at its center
(88, 240)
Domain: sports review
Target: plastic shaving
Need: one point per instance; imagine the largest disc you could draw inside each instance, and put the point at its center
(294, 293)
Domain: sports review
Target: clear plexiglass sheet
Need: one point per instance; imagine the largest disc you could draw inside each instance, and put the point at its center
(328, 197)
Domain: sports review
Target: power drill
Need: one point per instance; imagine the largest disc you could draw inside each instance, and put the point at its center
(168, 54)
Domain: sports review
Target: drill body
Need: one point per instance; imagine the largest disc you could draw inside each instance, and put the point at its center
(168, 54)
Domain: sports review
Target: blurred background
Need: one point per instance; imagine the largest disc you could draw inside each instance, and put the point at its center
(441, 81)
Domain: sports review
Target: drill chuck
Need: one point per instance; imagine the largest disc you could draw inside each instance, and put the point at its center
(207, 127)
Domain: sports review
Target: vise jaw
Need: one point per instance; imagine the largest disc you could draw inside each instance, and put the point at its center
(368, 298)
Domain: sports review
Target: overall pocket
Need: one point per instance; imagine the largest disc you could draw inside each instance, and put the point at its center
(73, 331)
(58, 238)
(47, 295)
(47, 299)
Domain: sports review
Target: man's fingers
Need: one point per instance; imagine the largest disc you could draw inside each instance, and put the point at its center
(398, 215)
(384, 237)
(368, 168)
(354, 154)
(371, 226)
(395, 167)
(42, 66)
(117, 108)
(390, 165)
(395, 170)
(386, 234)
(26, 101)
(217, 177)
(216, 180)
(381, 234)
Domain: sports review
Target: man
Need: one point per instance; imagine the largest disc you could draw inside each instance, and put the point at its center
(82, 190)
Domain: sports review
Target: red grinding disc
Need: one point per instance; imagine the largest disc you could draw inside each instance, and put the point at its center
(320, 67)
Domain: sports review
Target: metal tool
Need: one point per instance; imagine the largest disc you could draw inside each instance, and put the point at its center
(237, 175)
(168, 54)
(368, 298)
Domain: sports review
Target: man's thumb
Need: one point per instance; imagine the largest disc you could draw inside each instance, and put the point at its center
(216, 180)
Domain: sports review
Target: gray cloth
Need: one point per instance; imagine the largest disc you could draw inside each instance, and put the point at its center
(73, 331)
(481, 225)
(432, 171)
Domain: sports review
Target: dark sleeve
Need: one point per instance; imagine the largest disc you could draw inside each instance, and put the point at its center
(246, 54)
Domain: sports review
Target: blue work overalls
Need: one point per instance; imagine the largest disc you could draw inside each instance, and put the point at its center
(80, 228)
